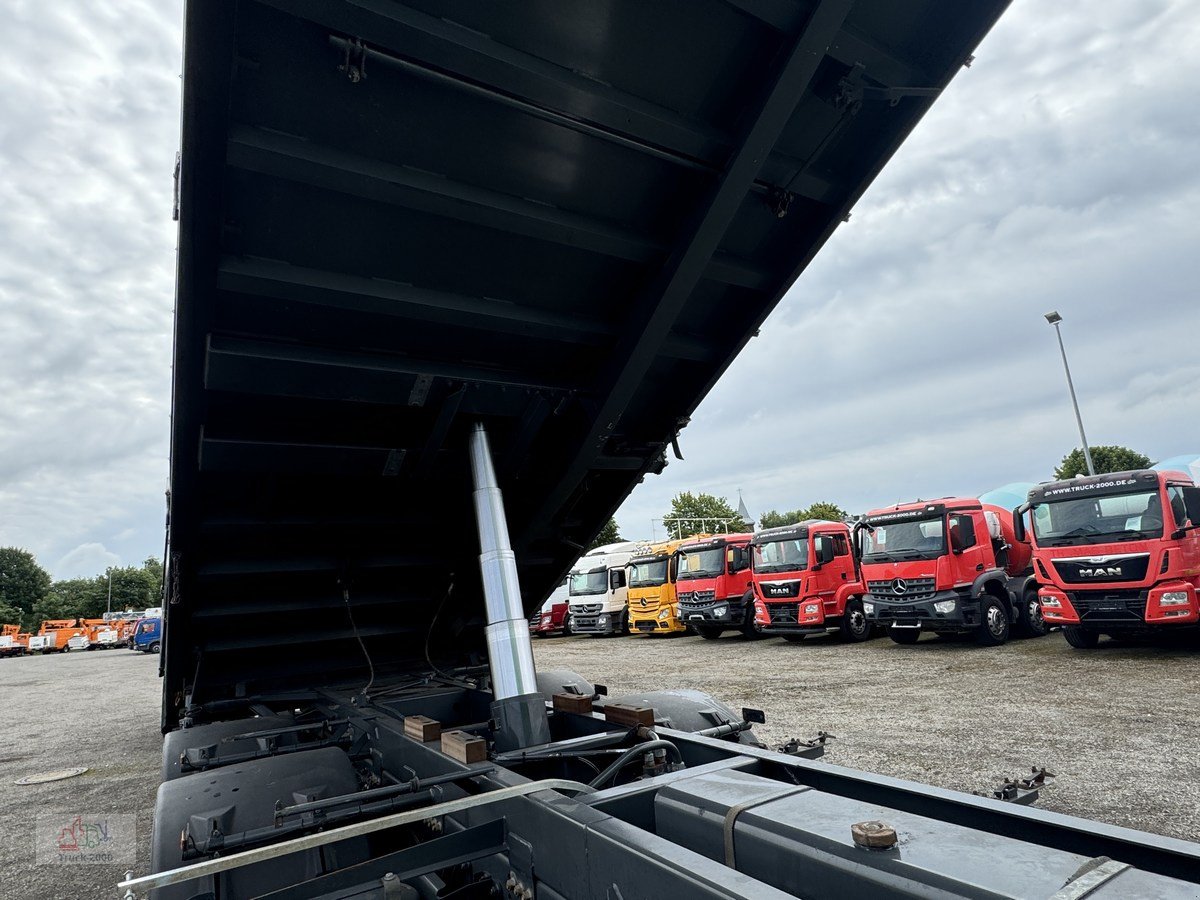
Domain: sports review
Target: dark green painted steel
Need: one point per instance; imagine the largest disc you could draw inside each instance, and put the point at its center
(562, 218)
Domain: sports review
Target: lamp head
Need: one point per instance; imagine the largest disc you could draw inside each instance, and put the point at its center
(1053, 317)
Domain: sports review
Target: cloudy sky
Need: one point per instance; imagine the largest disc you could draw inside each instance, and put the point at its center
(912, 360)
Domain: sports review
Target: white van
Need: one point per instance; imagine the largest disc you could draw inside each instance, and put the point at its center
(598, 590)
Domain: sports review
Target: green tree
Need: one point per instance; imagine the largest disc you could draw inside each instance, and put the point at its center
(609, 534)
(22, 581)
(819, 510)
(696, 513)
(1105, 458)
(11, 615)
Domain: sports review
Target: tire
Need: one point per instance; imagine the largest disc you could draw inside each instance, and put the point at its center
(567, 628)
(904, 635)
(155, 647)
(794, 638)
(1029, 616)
(66, 648)
(856, 628)
(994, 627)
(624, 630)
(709, 632)
(1081, 638)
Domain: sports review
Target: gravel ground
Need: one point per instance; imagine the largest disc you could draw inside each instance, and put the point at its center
(1118, 725)
(97, 709)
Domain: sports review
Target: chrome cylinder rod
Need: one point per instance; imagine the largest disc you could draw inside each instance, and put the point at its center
(510, 652)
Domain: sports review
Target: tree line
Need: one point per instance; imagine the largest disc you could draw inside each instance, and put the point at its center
(28, 596)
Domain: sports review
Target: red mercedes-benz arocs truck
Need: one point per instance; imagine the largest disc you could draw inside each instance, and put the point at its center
(1116, 553)
(713, 586)
(806, 581)
(950, 566)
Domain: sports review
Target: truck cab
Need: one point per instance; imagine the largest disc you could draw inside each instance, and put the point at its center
(1116, 553)
(713, 586)
(653, 604)
(147, 635)
(953, 566)
(806, 581)
(598, 590)
(551, 616)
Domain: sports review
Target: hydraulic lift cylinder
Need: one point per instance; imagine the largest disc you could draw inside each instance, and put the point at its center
(518, 708)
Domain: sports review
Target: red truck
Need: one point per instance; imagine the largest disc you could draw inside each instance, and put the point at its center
(551, 617)
(950, 566)
(1116, 553)
(806, 581)
(713, 586)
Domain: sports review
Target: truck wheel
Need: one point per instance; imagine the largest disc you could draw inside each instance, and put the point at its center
(904, 635)
(709, 632)
(994, 627)
(1029, 617)
(566, 628)
(155, 647)
(1081, 638)
(625, 622)
(855, 627)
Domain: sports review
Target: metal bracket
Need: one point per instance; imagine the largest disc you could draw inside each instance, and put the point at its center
(1020, 790)
(853, 91)
(813, 748)
(355, 62)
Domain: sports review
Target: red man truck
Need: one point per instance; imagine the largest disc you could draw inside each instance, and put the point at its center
(951, 566)
(806, 581)
(1116, 553)
(713, 586)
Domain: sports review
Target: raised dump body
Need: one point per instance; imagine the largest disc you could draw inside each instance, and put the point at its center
(452, 278)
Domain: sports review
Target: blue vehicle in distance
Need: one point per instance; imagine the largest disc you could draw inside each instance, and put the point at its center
(147, 635)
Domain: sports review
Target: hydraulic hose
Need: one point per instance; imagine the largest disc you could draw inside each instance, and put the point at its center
(623, 760)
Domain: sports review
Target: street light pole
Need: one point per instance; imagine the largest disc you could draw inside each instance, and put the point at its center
(110, 590)
(1055, 319)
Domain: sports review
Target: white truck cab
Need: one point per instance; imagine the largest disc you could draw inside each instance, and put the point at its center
(598, 590)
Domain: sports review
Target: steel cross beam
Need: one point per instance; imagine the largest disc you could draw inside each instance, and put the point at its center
(683, 269)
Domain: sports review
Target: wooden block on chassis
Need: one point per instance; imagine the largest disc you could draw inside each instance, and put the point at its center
(575, 703)
(625, 714)
(422, 728)
(466, 748)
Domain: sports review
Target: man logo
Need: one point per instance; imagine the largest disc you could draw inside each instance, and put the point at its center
(1100, 572)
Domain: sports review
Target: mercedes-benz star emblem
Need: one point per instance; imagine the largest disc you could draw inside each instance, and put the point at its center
(899, 586)
(643, 602)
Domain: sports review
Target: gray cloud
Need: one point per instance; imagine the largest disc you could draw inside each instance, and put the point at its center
(910, 360)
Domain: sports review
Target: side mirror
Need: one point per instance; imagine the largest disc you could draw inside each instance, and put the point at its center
(616, 579)
(956, 542)
(1191, 501)
(1018, 516)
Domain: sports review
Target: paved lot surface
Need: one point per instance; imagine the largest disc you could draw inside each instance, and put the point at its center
(1119, 726)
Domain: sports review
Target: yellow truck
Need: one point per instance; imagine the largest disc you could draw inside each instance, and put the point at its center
(652, 605)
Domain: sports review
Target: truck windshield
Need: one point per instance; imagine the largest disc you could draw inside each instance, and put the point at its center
(921, 539)
(651, 573)
(586, 583)
(701, 563)
(1098, 520)
(789, 555)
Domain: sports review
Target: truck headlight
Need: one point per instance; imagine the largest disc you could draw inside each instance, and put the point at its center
(945, 607)
(1174, 598)
(1051, 602)
(603, 620)
(720, 611)
(665, 614)
(868, 608)
(810, 609)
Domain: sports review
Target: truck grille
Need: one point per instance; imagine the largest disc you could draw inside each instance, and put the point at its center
(784, 613)
(1111, 606)
(914, 589)
(586, 609)
(696, 599)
